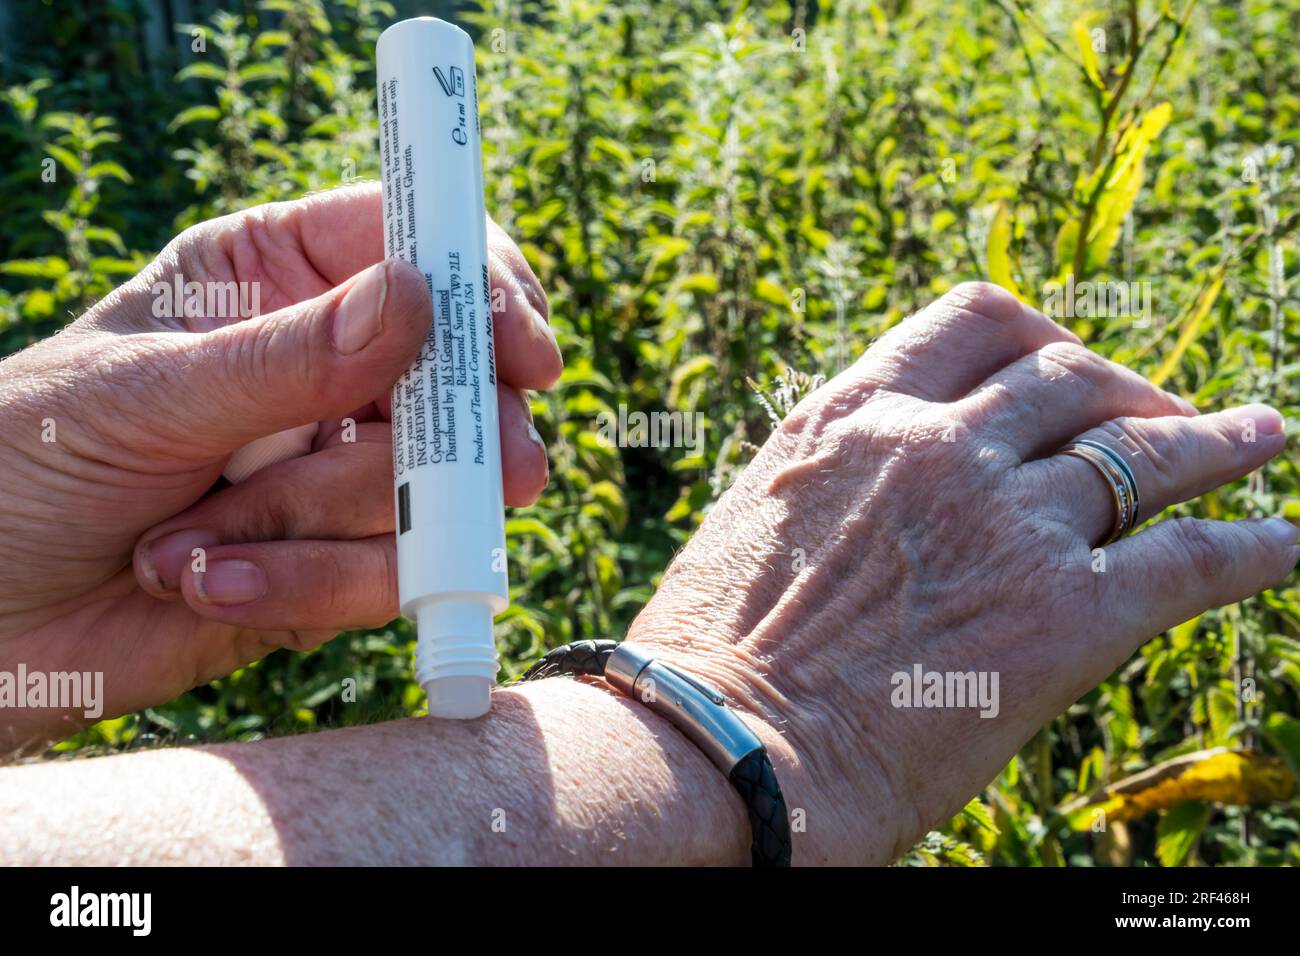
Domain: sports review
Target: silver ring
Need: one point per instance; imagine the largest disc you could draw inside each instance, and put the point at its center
(1119, 476)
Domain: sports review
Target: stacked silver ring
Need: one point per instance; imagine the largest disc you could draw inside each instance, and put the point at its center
(1123, 485)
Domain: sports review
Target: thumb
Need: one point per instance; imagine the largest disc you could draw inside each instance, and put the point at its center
(315, 360)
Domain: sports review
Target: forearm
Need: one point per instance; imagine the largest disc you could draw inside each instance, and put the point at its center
(559, 772)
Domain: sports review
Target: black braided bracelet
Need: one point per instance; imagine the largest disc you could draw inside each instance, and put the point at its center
(750, 773)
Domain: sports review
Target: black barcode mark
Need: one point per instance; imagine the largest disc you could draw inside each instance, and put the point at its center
(404, 508)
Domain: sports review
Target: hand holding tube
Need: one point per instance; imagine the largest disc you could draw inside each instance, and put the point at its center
(145, 413)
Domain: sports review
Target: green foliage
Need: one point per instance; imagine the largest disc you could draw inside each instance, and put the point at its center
(726, 201)
(87, 259)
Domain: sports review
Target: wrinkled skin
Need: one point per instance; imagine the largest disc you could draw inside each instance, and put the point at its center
(147, 409)
(911, 511)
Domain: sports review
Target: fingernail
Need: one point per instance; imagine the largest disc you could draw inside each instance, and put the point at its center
(534, 293)
(360, 316)
(230, 582)
(544, 330)
(1188, 408)
(1281, 531)
(1268, 421)
(534, 435)
(165, 558)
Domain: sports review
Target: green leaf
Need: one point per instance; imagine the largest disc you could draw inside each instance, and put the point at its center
(271, 38)
(1178, 831)
(202, 70)
(38, 304)
(1283, 732)
(608, 498)
(1180, 637)
(49, 267)
(195, 114)
(255, 72)
(324, 81)
(270, 120)
(106, 265)
(1067, 241)
(67, 159)
(534, 528)
(108, 170)
(687, 380)
(663, 250)
(696, 282)
(1221, 706)
(105, 235)
(64, 121)
(604, 146)
(978, 813)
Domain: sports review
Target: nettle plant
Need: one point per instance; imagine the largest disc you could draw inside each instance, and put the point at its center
(294, 102)
(239, 148)
(62, 174)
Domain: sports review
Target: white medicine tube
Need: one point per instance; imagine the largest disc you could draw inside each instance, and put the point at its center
(451, 564)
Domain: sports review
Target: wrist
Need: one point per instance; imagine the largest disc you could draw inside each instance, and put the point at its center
(844, 807)
(639, 790)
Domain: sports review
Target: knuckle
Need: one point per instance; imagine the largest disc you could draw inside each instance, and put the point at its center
(1075, 361)
(255, 354)
(189, 245)
(821, 407)
(1204, 555)
(338, 577)
(274, 516)
(915, 439)
(987, 299)
(264, 224)
(360, 589)
(1130, 438)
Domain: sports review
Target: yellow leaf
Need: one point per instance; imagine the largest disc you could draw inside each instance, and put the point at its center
(878, 19)
(1067, 240)
(1191, 328)
(1219, 775)
(1083, 38)
(1125, 181)
(768, 291)
(999, 252)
